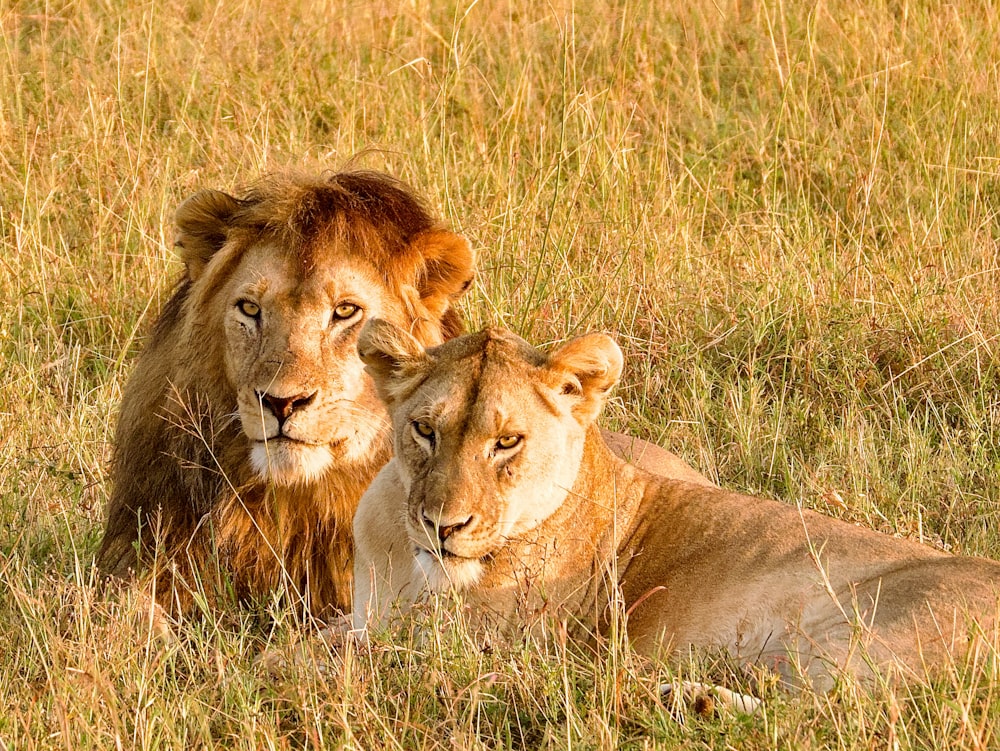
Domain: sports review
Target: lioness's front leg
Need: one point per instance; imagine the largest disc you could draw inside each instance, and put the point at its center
(385, 571)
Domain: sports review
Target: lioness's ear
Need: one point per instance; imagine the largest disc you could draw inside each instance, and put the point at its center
(391, 356)
(448, 269)
(587, 368)
(202, 227)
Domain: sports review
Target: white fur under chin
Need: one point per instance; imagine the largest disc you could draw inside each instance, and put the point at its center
(444, 574)
(285, 463)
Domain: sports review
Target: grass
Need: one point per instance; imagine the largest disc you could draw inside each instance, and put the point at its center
(786, 212)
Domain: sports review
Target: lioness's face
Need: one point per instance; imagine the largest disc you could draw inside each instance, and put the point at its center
(487, 455)
(302, 395)
(488, 435)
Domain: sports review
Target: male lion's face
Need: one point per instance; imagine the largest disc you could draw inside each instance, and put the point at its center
(289, 274)
(488, 434)
(302, 395)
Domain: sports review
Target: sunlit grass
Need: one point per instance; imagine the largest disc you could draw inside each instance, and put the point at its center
(787, 214)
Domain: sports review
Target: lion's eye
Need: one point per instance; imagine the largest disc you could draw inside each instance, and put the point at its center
(508, 441)
(423, 429)
(345, 310)
(248, 308)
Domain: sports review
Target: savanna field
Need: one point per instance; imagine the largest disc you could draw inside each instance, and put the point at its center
(787, 214)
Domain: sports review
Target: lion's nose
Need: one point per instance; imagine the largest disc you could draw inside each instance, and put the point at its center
(282, 407)
(446, 529)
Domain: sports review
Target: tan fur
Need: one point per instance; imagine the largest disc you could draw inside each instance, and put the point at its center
(556, 526)
(198, 497)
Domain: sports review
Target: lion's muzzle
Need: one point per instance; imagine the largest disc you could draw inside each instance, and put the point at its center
(282, 407)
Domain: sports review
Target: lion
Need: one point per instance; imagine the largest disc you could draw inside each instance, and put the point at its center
(502, 489)
(249, 429)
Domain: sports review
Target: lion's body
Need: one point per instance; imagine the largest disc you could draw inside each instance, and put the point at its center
(692, 566)
(248, 430)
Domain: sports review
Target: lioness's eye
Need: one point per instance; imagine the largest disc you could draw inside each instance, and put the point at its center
(508, 441)
(248, 308)
(423, 429)
(345, 310)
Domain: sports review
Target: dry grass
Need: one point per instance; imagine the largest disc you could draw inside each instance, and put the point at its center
(786, 212)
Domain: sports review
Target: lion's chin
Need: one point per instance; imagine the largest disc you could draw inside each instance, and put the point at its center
(448, 572)
(286, 463)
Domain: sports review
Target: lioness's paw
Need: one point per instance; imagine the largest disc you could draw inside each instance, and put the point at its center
(318, 652)
(704, 699)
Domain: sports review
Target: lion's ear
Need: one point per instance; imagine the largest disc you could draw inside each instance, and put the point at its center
(586, 369)
(448, 269)
(392, 357)
(202, 227)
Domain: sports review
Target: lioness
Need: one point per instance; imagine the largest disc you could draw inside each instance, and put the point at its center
(249, 429)
(502, 488)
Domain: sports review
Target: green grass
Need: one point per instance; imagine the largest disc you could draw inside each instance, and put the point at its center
(786, 212)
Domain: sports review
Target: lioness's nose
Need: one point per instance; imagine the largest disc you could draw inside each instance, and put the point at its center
(283, 406)
(447, 529)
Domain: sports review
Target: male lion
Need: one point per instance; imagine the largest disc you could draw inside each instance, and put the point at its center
(249, 429)
(502, 488)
